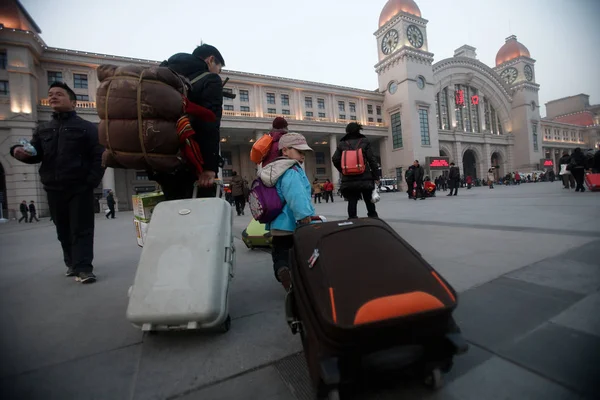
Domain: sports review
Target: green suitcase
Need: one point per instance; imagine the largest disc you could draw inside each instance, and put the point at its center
(255, 235)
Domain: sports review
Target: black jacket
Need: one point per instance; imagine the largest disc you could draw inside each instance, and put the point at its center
(565, 160)
(356, 183)
(32, 208)
(110, 200)
(419, 174)
(23, 208)
(208, 93)
(68, 148)
(454, 174)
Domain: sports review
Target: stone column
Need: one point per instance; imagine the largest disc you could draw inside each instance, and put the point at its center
(335, 174)
(481, 110)
(451, 107)
(458, 156)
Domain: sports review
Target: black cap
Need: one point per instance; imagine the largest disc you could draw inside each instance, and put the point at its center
(66, 87)
(206, 50)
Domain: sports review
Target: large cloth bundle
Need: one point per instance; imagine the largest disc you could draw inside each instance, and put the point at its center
(139, 108)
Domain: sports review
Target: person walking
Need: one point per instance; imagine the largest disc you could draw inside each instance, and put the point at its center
(409, 177)
(328, 190)
(491, 178)
(419, 175)
(23, 209)
(237, 191)
(32, 212)
(577, 164)
(110, 202)
(71, 157)
(453, 179)
(354, 187)
(317, 189)
(567, 177)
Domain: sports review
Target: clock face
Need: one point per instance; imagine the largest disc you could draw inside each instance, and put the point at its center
(389, 42)
(393, 87)
(528, 72)
(415, 37)
(509, 75)
(421, 82)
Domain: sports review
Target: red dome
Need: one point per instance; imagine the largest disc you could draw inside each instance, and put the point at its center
(512, 49)
(393, 7)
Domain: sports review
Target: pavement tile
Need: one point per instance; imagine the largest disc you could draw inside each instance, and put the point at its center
(99, 377)
(561, 354)
(562, 273)
(263, 384)
(498, 379)
(494, 314)
(583, 316)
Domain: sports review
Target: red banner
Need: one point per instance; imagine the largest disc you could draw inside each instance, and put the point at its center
(439, 163)
(475, 100)
(460, 97)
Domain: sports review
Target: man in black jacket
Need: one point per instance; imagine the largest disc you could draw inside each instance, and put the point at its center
(419, 175)
(453, 179)
(110, 202)
(32, 212)
(23, 209)
(567, 176)
(354, 187)
(202, 67)
(71, 157)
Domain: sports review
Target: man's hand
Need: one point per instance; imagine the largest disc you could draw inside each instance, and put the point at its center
(20, 154)
(206, 179)
(305, 221)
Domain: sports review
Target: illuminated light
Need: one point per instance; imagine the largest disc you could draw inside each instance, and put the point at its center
(475, 100)
(251, 140)
(460, 97)
(223, 140)
(548, 163)
(439, 164)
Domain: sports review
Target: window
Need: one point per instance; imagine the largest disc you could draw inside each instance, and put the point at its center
(244, 96)
(486, 114)
(54, 76)
(272, 110)
(270, 98)
(352, 107)
(443, 104)
(227, 90)
(341, 106)
(573, 136)
(321, 104)
(308, 102)
(547, 134)
(4, 90)
(342, 116)
(321, 171)
(285, 100)
(396, 130)
(227, 173)
(320, 158)
(535, 138)
(82, 97)
(379, 120)
(80, 81)
(226, 156)
(371, 120)
(557, 135)
(141, 176)
(321, 115)
(378, 110)
(228, 107)
(424, 123)
(474, 110)
(309, 113)
(285, 112)
(353, 117)
(245, 108)
(3, 59)
(370, 109)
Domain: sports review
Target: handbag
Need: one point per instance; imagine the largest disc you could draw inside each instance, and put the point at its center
(375, 197)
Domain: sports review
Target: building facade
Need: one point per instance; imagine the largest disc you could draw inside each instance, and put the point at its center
(457, 109)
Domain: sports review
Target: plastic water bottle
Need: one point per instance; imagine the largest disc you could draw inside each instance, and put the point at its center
(28, 147)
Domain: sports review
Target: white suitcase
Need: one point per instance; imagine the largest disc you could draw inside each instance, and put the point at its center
(182, 279)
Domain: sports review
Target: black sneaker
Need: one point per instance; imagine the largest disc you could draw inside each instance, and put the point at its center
(70, 272)
(86, 277)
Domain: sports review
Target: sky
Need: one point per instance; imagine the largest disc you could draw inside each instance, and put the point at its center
(331, 41)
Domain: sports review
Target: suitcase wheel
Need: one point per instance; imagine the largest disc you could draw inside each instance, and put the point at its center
(225, 326)
(434, 379)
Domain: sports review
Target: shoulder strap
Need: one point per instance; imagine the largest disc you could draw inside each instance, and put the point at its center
(196, 79)
(357, 144)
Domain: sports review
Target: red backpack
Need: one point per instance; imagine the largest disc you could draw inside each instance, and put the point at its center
(353, 161)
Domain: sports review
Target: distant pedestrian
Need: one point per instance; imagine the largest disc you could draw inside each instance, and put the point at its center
(491, 178)
(577, 165)
(328, 189)
(110, 202)
(238, 185)
(23, 209)
(419, 175)
(32, 212)
(453, 179)
(317, 189)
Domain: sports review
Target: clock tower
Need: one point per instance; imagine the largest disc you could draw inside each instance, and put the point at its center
(405, 77)
(516, 67)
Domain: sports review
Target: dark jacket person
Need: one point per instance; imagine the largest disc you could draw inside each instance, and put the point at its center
(353, 187)
(205, 65)
(71, 167)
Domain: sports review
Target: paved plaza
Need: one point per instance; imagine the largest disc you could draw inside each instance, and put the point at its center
(525, 260)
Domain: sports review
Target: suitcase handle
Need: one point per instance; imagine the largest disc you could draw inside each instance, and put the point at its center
(218, 193)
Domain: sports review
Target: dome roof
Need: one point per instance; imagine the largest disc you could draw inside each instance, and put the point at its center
(512, 49)
(393, 7)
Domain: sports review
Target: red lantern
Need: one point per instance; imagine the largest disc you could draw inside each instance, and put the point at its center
(475, 100)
